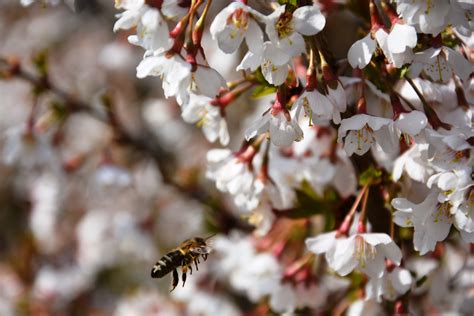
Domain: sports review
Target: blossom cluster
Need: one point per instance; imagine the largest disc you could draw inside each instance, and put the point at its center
(349, 170)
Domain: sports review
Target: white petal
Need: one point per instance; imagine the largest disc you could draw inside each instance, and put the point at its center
(254, 37)
(361, 52)
(148, 67)
(275, 75)
(292, 45)
(401, 37)
(401, 280)
(223, 132)
(217, 155)
(208, 81)
(343, 259)
(321, 243)
(229, 36)
(308, 20)
(462, 67)
(258, 127)
(411, 123)
(282, 133)
(374, 267)
(251, 61)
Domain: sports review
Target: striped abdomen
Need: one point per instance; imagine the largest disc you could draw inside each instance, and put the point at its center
(167, 263)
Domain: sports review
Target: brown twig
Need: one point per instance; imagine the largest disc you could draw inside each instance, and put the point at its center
(145, 141)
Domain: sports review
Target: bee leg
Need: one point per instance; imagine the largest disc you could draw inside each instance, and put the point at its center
(196, 263)
(175, 279)
(183, 275)
(205, 257)
(190, 269)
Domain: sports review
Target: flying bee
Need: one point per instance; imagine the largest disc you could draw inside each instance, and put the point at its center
(183, 256)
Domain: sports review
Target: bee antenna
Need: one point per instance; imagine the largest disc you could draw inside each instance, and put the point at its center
(209, 237)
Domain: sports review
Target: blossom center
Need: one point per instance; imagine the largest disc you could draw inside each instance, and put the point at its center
(283, 26)
(364, 251)
(442, 212)
(240, 19)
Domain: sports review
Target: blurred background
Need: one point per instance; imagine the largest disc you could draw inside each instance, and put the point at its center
(85, 210)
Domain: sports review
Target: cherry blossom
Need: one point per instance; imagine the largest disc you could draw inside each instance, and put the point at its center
(234, 24)
(286, 29)
(441, 64)
(430, 219)
(364, 251)
(272, 60)
(200, 111)
(392, 285)
(234, 176)
(432, 17)
(172, 69)
(322, 107)
(283, 129)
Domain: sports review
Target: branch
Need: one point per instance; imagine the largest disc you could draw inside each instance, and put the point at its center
(146, 143)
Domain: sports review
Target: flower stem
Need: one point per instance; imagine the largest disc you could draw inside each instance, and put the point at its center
(346, 224)
(430, 113)
(361, 227)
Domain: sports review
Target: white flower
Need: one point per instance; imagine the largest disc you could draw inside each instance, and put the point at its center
(256, 274)
(233, 24)
(200, 111)
(29, 2)
(430, 219)
(396, 45)
(286, 298)
(366, 251)
(142, 302)
(272, 60)
(205, 80)
(152, 32)
(449, 149)
(110, 175)
(456, 194)
(27, 150)
(46, 198)
(173, 10)
(414, 162)
(286, 30)
(129, 4)
(432, 17)
(172, 70)
(322, 107)
(361, 52)
(392, 285)
(178, 80)
(365, 308)
(365, 129)
(105, 238)
(283, 129)
(67, 282)
(132, 14)
(440, 64)
(362, 136)
(234, 176)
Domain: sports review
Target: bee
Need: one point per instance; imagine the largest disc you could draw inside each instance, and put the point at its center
(183, 256)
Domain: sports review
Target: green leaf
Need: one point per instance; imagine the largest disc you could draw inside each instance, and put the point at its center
(40, 61)
(403, 72)
(309, 203)
(262, 90)
(370, 176)
(290, 2)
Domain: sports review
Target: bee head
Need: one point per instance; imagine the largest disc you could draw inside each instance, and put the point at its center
(202, 246)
